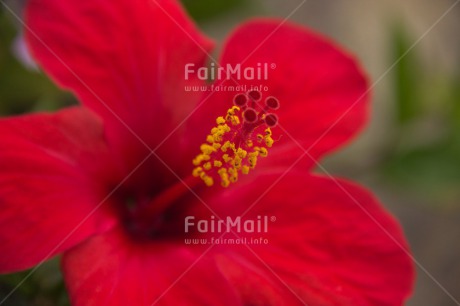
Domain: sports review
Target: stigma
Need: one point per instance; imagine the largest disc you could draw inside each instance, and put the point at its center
(238, 140)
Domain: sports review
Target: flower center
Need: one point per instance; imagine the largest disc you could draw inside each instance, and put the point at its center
(238, 140)
(155, 216)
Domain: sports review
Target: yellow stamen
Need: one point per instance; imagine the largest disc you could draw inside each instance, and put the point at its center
(232, 147)
(207, 166)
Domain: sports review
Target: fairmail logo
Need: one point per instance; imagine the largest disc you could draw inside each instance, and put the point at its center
(226, 225)
(235, 72)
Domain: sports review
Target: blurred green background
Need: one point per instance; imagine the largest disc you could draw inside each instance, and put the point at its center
(409, 156)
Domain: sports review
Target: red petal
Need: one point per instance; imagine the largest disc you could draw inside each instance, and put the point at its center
(326, 246)
(323, 249)
(49, 166)
(112, 269)
(124, 59)
(319, 86)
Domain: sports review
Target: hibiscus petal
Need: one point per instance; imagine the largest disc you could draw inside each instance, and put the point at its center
(112, 269)
(325, 247)
(322, 90)
(125, 60)
(49, 166)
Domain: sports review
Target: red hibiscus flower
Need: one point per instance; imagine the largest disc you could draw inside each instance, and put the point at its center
(118, 184)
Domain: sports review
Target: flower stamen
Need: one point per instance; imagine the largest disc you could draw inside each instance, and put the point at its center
(238, 140)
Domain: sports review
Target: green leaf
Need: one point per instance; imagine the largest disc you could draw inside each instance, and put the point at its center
(406, 77)
(20, 88)
(432, 172)
(202, 10)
